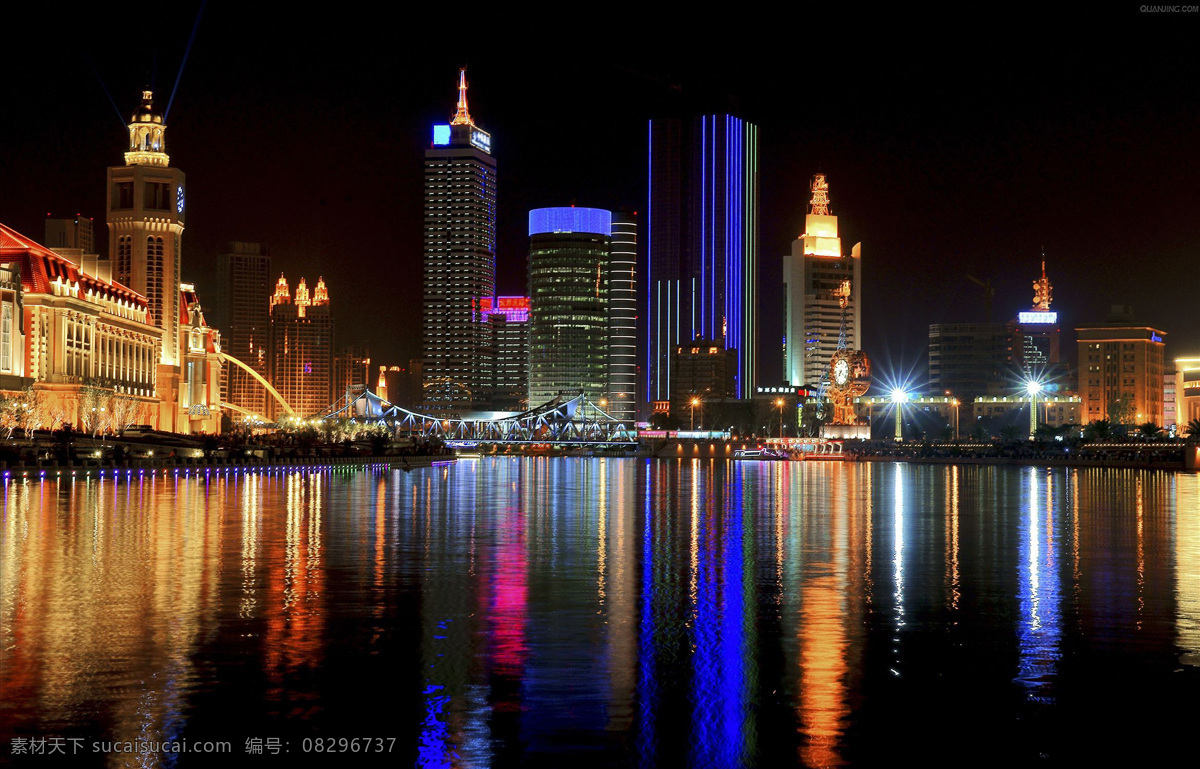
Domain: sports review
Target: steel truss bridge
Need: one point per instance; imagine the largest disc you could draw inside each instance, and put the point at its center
(563, 422)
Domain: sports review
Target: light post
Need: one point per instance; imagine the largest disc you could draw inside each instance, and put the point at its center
(1033, 387)
(899, 397)
(779, 403)
(955, 404)
(695, 403)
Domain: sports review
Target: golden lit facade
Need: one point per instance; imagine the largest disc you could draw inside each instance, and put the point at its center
(78, 331)
(1121, 369)
(814, 276)
(200, 362)
(302, 347)
(1187, 392)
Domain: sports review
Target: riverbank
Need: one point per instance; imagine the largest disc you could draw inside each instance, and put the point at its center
(202, 466)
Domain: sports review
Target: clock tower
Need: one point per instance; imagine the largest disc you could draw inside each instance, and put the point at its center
(145, 224)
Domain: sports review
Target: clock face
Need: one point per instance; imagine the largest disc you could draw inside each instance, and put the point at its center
(841, 371)
(179, 198)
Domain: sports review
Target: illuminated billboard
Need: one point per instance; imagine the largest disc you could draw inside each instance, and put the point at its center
(441, 134)
(1037, 317)
(481, 139)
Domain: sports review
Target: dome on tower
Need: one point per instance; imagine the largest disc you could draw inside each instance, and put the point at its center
(147, 136)
(145, 113)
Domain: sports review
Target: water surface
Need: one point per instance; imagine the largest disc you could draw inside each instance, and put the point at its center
(608, 612)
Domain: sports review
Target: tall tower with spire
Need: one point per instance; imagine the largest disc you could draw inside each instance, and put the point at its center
(460, 261)
(145, 223)
(814, 274)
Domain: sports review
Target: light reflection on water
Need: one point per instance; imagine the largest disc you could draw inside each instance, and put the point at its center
(606, 612)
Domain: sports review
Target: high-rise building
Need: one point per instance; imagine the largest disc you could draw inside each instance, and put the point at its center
(351, 371)
(302, 347)
(145, 224)
(74, 232)
(813, 275)
(702, 244)
(701, 370)
(508, 317)
(243, 313)
(623, 316)
(569, 303)
(460, 261)
(1121, 369)
(971, 360)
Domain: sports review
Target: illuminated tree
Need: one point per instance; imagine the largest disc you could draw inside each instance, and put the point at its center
(1121, 409)
(1192, 429)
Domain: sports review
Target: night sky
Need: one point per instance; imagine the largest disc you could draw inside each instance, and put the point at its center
(947, 155)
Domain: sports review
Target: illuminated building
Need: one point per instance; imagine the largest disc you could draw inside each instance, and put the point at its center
(1121, 370)
(12, 328)
(302, 348)
(1187, 392)
(812, 274)
(71, 331)
(1036, 339)
(702, 369)
(971, 359)
(508, 319)
(243, 313)
(460, 260)
(351, 370)
(145, 223)
(623, 314)
(568, 302)
(199, 357)
(702, 244)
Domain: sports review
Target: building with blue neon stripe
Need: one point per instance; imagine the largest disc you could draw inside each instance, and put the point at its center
(702, 252)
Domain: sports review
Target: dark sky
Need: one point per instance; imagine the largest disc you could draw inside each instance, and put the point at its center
(947, 155)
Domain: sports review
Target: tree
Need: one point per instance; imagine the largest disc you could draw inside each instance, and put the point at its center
(1192, 429)
(1098, 430)
(122, 412)
(1120, 409)
(980, 432)
(1149, 430)
(94, 403)
(1011, 433)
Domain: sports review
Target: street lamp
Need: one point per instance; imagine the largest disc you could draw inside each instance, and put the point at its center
(954, 402)
(695, 403)
(779, 403)
(899, 397)
(1033, 387)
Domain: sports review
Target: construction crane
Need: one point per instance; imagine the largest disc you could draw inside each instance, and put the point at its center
(988, 293)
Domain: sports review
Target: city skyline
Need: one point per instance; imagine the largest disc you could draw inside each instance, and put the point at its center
(949, 164)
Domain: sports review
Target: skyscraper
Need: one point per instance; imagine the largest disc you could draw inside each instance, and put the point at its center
(622, 332)
(569, 303)
(302, 347)
(812, 276)
(243, 313)
(460, 260)
(702, 271)
(145, 224)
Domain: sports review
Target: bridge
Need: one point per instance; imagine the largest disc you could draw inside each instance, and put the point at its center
(562, 421)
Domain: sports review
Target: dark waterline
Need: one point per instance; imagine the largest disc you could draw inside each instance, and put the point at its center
(608, 612)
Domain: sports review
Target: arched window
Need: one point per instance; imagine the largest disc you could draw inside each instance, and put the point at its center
(154, 277)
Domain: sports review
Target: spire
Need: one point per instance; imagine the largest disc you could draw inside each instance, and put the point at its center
(1042, 290)
(320, 293)
(463, 116)
(283, 294)
(147, 135)
(820, 196)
